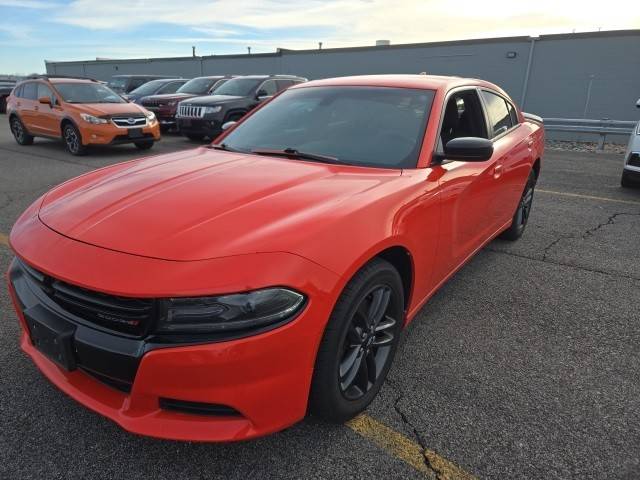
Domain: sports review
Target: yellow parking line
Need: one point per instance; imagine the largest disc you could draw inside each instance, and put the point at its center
(407, 450)
(589, 197)
(4, 239)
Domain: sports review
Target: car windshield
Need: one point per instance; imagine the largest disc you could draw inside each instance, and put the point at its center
(87, 93)
(117, 82)
(148, 88)
(368, 126)
(240, 87)
(197, 86)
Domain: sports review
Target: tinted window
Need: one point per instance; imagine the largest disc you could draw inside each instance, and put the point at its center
(463, 117)
(18, 91)
(170, 87)
(282, 84)
(499, 116)
(268, 88)
(44, 91)
(373, 126)
(30, 91)
(241, 87)
(87, 93)
(148, 88)
(197, 86)
(136, 82)
(513, 114)
(117, 82)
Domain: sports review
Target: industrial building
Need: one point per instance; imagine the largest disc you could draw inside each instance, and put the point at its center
(578, 75)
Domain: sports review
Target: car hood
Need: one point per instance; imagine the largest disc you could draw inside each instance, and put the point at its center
(203, 203)
(213, 99)
(169, 96)
(102, 109)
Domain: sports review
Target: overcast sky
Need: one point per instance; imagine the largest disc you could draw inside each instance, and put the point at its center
(34, 30)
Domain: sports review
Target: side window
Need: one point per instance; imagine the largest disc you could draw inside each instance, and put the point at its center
(513, 114)
(44, 91)
(463, 117)
(268, 88)
(170, 87)
(499, 116)
(30, 91)
(17, 92)
(282, 84)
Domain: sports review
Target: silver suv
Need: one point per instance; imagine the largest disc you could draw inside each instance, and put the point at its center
(631, 172)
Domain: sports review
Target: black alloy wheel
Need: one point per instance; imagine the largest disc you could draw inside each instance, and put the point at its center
(359, 343)
(73, 140)
(19, 132)
(521, 217)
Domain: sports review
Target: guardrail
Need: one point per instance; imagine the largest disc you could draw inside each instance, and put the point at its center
(601, 127)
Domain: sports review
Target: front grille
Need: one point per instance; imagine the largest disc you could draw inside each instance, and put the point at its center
(634, 160)
(121, 314)
(191, 111)
(127, 122)
(198, 408)
(122, 385)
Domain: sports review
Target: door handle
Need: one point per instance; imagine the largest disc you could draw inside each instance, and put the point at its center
(497, 171)
(530, 142)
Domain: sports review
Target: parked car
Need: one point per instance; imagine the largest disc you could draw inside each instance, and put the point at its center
(165, 106)
(81, 112)
(222, 293)
(631, 170)
(127, 83)
(201, 117)
(155, 87)
(5, 89)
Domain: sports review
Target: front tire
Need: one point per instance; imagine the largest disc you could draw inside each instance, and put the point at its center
(146, 145)
(626, 181)
(73, 140)
(359, 343)
(19, 132)
(521, 217)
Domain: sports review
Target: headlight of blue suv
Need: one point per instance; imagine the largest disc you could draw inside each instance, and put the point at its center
(150, 116)
(231, 313)
(214, 109)
(92, 119)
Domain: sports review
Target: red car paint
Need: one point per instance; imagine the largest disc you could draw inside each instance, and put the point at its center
(208, 222)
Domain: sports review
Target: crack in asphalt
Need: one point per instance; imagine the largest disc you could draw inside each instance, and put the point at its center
(610, 221)
(414, 430)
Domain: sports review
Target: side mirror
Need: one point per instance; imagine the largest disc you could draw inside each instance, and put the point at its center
(228, 125)
(262, 95)
(468, 149)
(45, 100)
(638, 103)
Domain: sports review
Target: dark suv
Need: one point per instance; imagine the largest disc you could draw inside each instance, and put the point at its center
(164, 106)
(128, 83)
(201, 117)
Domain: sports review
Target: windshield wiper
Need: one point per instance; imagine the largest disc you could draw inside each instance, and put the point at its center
(293, 153)
(222, 146)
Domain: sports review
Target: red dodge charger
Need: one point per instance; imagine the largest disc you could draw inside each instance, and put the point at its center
(221, 293)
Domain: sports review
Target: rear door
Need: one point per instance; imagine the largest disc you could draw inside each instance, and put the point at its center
(26, 105)
(512, 154)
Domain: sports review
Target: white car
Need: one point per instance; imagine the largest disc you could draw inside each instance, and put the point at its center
(631, 172)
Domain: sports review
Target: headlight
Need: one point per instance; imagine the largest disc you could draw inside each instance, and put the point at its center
(92, 119)
(171, 103)
(215, 109)
(150, 116)
(242, 311)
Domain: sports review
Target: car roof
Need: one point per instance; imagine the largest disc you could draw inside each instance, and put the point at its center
(66, 80)
(138, 76)
(419, 81)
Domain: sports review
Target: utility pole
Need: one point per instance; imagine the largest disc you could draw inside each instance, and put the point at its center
(193, 51)
(249, 50)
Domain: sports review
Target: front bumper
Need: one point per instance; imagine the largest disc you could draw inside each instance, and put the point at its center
(166, 115)
(208, 127)
(109, 134)
(265, 378)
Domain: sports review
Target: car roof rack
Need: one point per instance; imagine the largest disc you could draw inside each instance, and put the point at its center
(47, 77)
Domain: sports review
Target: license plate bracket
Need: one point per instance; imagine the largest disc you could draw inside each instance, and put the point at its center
(52, 336)
(135, 133)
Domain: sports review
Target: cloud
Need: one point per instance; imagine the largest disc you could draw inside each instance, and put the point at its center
(26, 3)
(16, 32)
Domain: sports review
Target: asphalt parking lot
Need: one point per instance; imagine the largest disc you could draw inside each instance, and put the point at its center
(525, 365)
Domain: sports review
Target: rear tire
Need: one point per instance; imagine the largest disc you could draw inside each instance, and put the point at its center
(521, 217)
(146, 145)
(19, 132)
(73, 140)
(358, 344)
